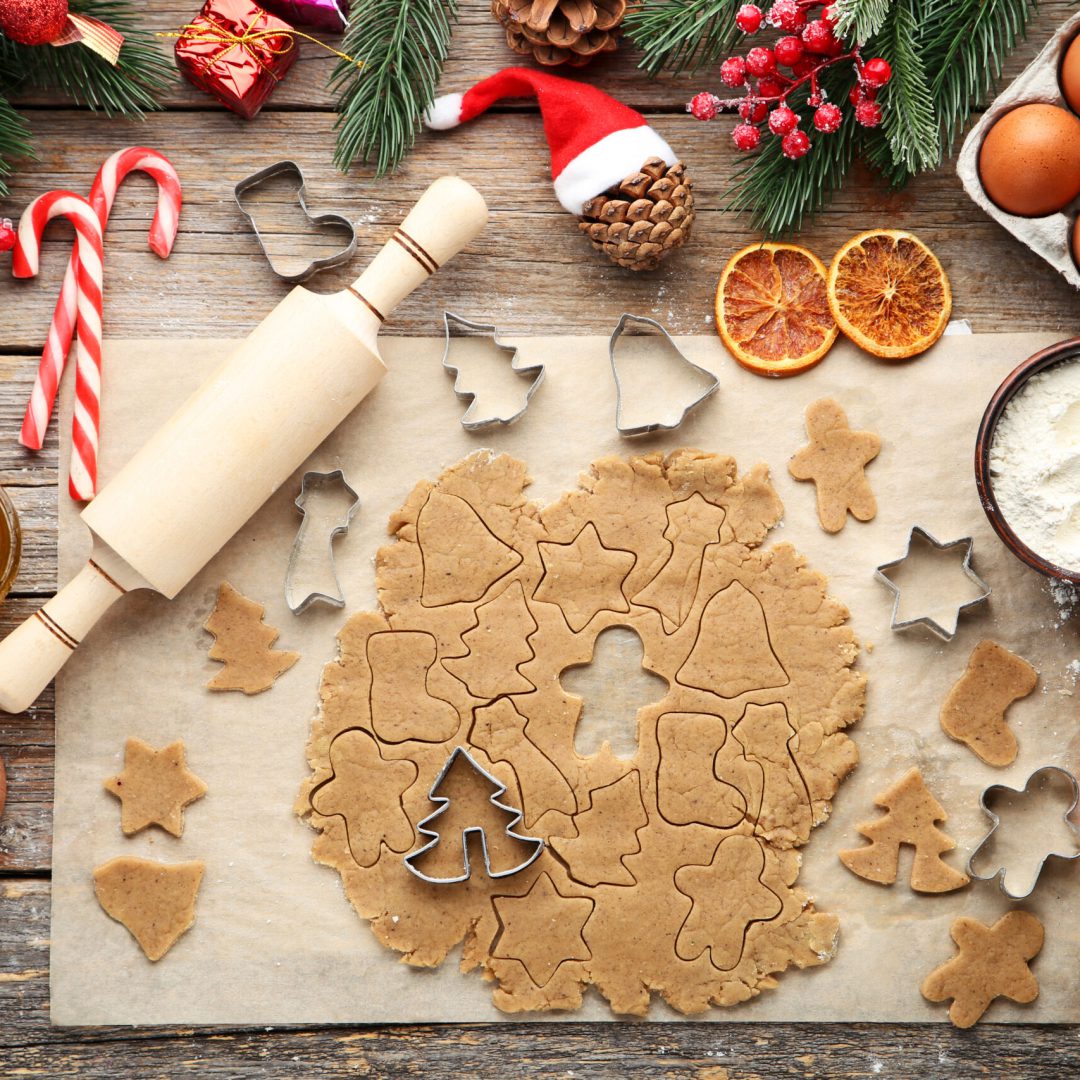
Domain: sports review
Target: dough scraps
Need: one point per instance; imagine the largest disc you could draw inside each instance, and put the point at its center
(992, 963)
(242, 642)
(910, 815)
(836, 459)
(155, 901)
(154, 787)
(974, 711)
(670, 871)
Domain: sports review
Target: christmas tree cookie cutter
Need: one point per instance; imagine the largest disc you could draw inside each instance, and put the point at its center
(710, 383)
(930, 623)
(468, 328)
(336, 221)
(309, 485)
(1045, 773)
(443, 801)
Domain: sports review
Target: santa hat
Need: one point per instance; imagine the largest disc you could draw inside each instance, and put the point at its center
(595, 140)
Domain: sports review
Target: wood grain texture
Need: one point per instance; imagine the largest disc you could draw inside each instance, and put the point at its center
(529, 271)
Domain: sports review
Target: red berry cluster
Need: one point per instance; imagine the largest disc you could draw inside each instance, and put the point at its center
(805, 48)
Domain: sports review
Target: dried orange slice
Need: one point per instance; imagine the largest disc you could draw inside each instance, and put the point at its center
(772, 311)
(889, 293)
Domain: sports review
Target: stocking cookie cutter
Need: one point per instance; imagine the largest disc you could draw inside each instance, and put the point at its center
(532, 371)
(310, 482)
(711, 385)
(1001, 871)
(337, 220)
(443, 802)
(930, 623)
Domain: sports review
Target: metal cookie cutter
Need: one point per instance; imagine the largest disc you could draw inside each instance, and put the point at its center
(534, 372)
(334, 220)
(709, 382)
(515, 817)
(1000, 872)
(925, 620)
(310, 483)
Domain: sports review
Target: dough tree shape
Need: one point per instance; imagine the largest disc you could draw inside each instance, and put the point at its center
(242, 642)
(836, 459)
(685, 845)
(154, 787)
(974, 710)
(911, 812)
(470, 811)
(992, 962)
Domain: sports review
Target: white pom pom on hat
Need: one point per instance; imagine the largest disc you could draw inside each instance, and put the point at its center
(595, 140)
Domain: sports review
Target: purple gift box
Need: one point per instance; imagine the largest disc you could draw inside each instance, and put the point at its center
(331, 15)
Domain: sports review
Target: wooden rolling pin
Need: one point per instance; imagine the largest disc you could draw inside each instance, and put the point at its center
(237, 439)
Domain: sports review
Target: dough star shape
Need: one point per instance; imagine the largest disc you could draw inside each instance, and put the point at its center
(154, 787)
(670, 871)
(542, 929)
(584, 577)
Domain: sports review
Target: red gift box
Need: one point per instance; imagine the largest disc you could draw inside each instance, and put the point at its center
(237, 52)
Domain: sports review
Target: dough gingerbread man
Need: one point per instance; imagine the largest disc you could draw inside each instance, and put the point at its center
(835, 459)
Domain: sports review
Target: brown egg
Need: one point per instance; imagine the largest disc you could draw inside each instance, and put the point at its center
(1029, 162)
(1076, 242)
(1069, 76)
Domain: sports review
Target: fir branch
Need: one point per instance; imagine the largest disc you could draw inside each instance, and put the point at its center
(402, 45)
(14, 142)
(964, 42)
(682, 35)
(910, 122)
(860, 20)
(128, 89)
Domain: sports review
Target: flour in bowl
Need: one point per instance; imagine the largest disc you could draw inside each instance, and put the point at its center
(1035, 464)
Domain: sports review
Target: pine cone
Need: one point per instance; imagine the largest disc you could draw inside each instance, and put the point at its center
(644, 218)
(561, 31)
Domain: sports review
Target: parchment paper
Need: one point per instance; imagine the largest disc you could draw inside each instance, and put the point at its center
(275, 939)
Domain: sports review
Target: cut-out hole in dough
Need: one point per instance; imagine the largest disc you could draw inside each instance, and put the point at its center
(612, 688)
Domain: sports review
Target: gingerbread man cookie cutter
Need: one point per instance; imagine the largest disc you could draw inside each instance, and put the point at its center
(337, 221)
(931, 624)
(1000, 872)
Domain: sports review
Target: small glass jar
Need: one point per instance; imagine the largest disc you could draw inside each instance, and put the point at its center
(10, 543)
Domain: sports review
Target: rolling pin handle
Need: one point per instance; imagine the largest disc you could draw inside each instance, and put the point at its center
(445, 218)
(32, 654)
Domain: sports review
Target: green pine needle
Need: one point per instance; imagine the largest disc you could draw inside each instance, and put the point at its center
(861, 19)
(682, 35)
(14, 141)
(402, 45)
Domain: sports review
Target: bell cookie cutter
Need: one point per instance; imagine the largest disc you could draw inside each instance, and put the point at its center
(712, 383)
(1001, 871)
(489, 331)
(514, 814)
(335, 220)
(927, 621)
(311, 482)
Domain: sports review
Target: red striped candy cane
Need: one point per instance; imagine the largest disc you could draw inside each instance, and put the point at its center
(82, 481)
(162, 234)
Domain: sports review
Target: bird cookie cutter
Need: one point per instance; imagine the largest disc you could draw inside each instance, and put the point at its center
(532, 371)
(1000, 872)
(443, 802)
(710, 382)
(334, 220)
(311, 482)
(928, 621)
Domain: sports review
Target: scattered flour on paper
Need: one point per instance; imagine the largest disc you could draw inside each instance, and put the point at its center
(1035, 464)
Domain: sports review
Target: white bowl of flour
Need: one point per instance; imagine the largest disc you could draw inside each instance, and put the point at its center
(1027, 461)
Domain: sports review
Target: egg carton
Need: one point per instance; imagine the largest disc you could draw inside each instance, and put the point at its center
(1047, 236)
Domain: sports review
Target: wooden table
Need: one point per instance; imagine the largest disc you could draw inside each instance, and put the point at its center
(528, 272)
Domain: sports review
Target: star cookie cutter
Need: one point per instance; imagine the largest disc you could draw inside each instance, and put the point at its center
(711, 383)
(335, 220)
(1001, 871)
(490, 333)
(310, 483)
(444, 802)
(927, 621)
